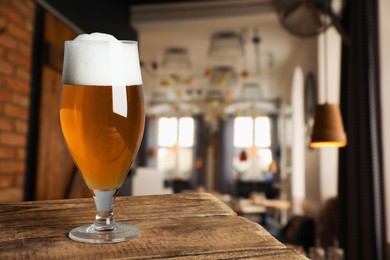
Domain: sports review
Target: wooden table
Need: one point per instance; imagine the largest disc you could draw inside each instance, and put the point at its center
(246, 207)
(180, 226)
(278, 208)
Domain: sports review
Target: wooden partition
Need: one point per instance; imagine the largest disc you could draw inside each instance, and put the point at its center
(56, 175)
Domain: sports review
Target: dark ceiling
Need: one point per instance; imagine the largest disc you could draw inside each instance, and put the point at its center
(146, 2)
(108, 16)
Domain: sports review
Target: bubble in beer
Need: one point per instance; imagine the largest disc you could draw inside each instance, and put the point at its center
(100, 59)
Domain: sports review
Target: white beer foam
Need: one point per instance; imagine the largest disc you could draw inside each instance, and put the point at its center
(99, 59)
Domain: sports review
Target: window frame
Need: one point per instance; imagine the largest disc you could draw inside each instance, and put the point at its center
(253, 168)
(177, 173)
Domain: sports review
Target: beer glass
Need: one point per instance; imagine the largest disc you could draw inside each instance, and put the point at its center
(102, 119)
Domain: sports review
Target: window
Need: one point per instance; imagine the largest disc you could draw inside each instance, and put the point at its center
(243, 132)
(253, 148)
(175, 147)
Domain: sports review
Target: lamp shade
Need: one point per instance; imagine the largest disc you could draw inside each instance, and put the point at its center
(176, 58)
(328, 129)
(226, 45)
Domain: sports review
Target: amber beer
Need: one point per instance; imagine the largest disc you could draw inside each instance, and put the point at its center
(102, 118)
(102, 143)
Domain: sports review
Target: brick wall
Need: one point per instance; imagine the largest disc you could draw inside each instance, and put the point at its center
(16, 37)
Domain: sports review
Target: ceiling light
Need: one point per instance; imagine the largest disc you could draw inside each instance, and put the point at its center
(226, 45)
(176, 58)
(328, 129)
(251, 91)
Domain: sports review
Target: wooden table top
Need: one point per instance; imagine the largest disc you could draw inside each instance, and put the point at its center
(180, 226)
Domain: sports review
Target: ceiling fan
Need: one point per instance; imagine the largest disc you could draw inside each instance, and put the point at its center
(307, 18)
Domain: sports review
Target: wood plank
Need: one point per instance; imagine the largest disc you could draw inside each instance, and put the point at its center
(126, 208)
(55, 166)
(179, 226)
(219, 235)
(271, 254)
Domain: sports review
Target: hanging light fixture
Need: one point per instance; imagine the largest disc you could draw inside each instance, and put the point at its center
(328, 129)
(226, 45)
(176, 58)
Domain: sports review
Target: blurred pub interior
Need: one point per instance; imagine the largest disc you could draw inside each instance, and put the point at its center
(230, 91)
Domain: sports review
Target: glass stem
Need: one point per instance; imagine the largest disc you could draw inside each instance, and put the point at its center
(104, 202)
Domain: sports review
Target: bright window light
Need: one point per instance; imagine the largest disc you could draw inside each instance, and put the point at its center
(266, 156)
(186, 132)
(167, 131)
(185, 161)
(175, 140)
(243, 132)
(262, 132)
(165, 159)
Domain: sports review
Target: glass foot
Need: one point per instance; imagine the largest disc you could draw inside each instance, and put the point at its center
(119, 233)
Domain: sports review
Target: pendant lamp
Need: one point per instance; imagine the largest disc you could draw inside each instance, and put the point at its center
(328, 129)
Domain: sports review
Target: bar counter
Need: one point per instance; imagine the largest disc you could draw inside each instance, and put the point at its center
(179, 226)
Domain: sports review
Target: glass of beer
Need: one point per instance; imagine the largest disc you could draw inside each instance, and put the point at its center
(102, 118)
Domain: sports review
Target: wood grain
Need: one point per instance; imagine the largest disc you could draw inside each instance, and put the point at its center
(196, 226)
(55, 166)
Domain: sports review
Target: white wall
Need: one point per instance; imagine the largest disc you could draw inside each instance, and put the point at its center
(329, 156)
(384, 35)
(298, 145)
(306, 57)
